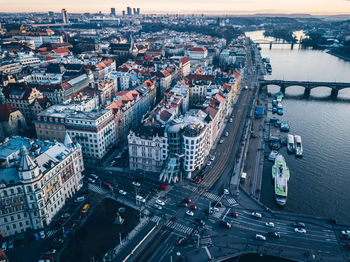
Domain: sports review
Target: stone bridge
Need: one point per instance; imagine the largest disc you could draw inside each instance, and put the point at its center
(308, 85)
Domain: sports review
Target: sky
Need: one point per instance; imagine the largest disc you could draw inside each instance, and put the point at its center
(182, 6)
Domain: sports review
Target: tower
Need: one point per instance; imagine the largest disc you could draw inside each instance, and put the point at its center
(65, 17)
(128, 10)
(112, 11)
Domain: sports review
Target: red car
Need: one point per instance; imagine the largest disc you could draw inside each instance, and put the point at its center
(347, 245)
(233, 214)
(107, 185)
(62, 220)
(194, 207)
(198, 180)
(187, 200)
(163, 187)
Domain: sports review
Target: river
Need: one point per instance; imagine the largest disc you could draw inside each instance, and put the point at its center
(320, 181)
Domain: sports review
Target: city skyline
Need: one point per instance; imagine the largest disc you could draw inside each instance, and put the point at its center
(316, 7)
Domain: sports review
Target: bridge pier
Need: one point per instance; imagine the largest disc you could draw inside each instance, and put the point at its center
(334, 93)
(307, 92)
(270, 45)
(283, 89)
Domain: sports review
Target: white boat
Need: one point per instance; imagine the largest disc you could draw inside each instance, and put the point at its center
(280, 175)
(298, 146)
(273, 155)
(290, 144)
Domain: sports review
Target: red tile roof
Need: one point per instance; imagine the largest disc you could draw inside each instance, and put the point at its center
(198, 49)
(5, 111)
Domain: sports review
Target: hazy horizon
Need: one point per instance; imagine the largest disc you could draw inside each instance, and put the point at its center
(244, 7)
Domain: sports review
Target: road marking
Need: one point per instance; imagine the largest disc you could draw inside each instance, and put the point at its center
(232, 201)
(156, 219)
(211, 196)
(179, 227)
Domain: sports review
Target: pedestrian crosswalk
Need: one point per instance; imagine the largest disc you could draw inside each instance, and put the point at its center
(97, 189)
(179, 227)
(155, 219)
(51, 233)
(211, 196)
(206, 241)
(232, 202)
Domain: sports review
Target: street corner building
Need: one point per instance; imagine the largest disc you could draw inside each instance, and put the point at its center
(36, 179)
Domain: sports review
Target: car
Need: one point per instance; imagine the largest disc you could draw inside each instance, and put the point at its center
(233, 214)
(140, 198)
(257, 215)
(221, 141)
(345, 234)
(182, 204)
(208, 163)
(199, 221)
(214, 209)
(62, 220)
(92, 181)
(163, 187)
(10, 244)
(42, 234)
(212, 158)
(300, 230)
(187, 200)
(79, 199)
(226, 134)
(198, 180)
(50, 252)
(179, 241)
(66, 215)
(224, 224)
(156, 206)
(160, 202)
(135, 183)
(226, 192)
(189, 213)
(107, 185)
(299, 225)
(231, 120)
(260, 237)
(274, 234)
(194, 207)
(122, 192)
(269, 224)
(347, 245)
(4, 246)
(94, 176)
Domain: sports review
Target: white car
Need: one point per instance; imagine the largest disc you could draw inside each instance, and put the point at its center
(209, 163)
(257, 215)
(91, 180)
(189, 213)
(4, 246)
(260, 237)
(42, 234)
(231, 120)
(345, 232)
(221, 141)
(300, 230)
(156, 206)
(140, 198)
(160, 202)
(136, 183)
(94, 176)
(226, 133)
(66, 215)
(212, 158)
(269, 224)
(122, 192)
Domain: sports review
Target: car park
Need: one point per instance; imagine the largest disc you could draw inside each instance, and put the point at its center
(156, 206)
(122, 192)
(189, 213)
(135, 183)
(42, 234)
(233, 214)
(269, 224)
(194, 207)
(160, 202)
(225, 224)
(257, 215)
(274, 234)
(140, 198)
(300, 230)
(260, 237)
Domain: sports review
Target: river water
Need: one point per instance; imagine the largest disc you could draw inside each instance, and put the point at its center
(320, 181)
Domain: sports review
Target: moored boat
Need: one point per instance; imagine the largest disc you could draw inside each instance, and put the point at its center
(298, 146)
(280, 175)
(290, 144)
(279, 96)
(284, 126)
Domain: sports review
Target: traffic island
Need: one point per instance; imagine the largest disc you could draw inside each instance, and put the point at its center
(99, 233)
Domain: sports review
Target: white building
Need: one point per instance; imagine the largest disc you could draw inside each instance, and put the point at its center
(36, 180)
(94, 131)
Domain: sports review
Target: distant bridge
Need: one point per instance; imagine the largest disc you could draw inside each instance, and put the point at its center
(308, 85)
(49, 25)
